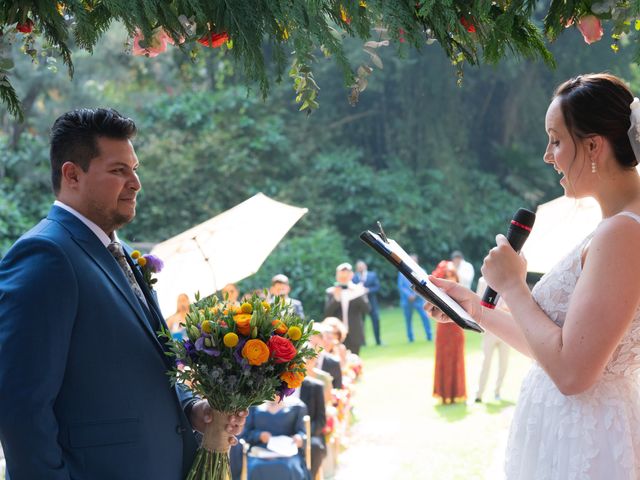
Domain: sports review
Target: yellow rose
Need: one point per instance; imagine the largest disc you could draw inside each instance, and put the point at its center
(266, 306)
(256, 352)
(230, 339)
(142, 261)
(292, 379)
(135, 254)
(246, 308)
(294, 333)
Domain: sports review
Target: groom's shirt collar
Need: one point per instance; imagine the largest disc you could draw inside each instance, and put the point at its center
(102, 236)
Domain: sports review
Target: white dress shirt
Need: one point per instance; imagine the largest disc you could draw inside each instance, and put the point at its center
(102, 236)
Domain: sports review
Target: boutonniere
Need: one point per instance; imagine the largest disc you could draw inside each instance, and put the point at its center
(148, 264)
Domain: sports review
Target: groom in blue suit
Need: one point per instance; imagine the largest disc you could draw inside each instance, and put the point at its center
(83, 387)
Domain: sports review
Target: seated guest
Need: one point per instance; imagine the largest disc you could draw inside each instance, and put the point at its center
(230, 293)
(323, 377)
(334, 336)
(312, 394)
(175, 321)
(272, 419)
(280, 288)
(258, 292)
(325, 360)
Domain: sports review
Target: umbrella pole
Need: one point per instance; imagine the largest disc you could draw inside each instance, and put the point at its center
(206, 259)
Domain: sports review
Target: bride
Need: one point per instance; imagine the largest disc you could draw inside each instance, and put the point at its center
(578, 414)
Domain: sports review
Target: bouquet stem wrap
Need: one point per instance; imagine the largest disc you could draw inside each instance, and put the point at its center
(212, 459)
(215, 437)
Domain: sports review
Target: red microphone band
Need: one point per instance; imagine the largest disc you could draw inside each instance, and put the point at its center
(487, 304)
(518, 224)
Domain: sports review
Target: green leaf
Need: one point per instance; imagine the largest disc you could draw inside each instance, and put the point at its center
(6, 63)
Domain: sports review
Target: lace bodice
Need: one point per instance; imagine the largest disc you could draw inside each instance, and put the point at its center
(553, 294)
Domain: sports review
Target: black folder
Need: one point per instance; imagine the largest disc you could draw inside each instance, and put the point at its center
(419, 279)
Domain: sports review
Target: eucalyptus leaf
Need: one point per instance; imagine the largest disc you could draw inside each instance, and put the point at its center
(6, 63)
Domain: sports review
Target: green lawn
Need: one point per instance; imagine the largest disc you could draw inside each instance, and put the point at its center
(403, 433)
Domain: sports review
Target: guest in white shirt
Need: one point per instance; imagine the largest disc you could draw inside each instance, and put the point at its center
(463, 268)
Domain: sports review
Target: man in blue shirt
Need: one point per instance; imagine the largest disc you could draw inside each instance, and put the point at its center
(410, 301)
(371, 282)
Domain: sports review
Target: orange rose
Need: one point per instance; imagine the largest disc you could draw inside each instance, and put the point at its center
(243, 323)
(256, 352)
(292, 379)
(280, 327)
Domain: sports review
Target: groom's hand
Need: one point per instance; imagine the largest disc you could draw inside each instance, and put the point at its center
(201, 415)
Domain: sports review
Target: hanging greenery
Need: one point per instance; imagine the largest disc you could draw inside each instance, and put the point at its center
(469, 32)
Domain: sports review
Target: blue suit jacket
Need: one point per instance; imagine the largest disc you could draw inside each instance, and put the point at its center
(405, 291)
(83, 387)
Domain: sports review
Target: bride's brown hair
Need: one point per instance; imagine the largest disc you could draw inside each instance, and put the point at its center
(599, 104)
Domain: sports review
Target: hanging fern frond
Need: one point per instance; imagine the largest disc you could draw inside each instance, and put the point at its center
(468, 31)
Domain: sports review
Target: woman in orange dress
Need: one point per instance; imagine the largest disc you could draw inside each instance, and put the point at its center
(449, 383)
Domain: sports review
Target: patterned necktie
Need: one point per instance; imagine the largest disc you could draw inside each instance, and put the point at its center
(118, 253)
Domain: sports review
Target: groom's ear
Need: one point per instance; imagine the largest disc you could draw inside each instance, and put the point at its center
(70, 174)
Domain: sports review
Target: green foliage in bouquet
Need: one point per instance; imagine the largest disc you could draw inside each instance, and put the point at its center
(237, 356)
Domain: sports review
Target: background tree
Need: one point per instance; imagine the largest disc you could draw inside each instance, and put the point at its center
(442, 165)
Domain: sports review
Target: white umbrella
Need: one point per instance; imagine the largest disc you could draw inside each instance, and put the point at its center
(225, 249)
(560, 225)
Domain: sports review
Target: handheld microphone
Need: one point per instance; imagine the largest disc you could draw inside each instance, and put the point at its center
(519, 230)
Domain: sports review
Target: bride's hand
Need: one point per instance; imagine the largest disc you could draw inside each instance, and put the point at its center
(503, 267)
(468, 300)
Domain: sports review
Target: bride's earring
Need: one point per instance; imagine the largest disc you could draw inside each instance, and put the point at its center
(593, 166)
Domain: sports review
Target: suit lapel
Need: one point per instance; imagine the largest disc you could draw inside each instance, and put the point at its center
(94, 248)
(154, 309)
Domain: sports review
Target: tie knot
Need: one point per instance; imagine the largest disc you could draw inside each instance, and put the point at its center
(116, 249)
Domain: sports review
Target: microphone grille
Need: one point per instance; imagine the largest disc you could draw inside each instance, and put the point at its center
(524, 217)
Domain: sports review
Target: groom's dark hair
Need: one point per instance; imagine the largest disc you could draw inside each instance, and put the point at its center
(74, 137)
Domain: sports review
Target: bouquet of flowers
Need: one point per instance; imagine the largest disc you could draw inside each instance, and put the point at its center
(237, 356)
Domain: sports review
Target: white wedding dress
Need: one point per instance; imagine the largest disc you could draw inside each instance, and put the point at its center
(594, 435)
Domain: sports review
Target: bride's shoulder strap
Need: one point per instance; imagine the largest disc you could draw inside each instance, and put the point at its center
(635, 216)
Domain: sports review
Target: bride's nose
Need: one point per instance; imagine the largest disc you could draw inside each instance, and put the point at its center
(547, 157)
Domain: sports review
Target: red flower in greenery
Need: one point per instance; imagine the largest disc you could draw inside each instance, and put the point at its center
(401, 35)
(282, 350)
(213, 40)
(591, 28)
(26, 27)
(468, 25)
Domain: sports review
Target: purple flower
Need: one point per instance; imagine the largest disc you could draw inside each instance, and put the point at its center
(284, 391)
(154, 264)
(202, 347)
(237, 354)
(190, 349)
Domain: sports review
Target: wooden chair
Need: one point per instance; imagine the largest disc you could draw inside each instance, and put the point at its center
(307, 441)
(244, 475)
(245, 450)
